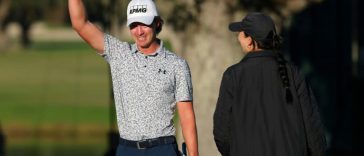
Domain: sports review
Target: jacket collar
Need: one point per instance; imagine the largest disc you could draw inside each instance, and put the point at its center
(263, 53)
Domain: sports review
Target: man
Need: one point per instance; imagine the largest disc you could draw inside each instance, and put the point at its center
(265, 107)
(149, 82)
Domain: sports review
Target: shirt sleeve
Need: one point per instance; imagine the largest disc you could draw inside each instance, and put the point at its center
(114, 48)
(311, 117)
(222, 115)
(184, 91)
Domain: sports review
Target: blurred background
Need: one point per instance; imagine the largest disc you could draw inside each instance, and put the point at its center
(55, 91)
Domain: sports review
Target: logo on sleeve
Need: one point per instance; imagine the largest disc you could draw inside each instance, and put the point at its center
(138, 9)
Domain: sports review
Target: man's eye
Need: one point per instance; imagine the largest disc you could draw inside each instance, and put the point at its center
(132, 26)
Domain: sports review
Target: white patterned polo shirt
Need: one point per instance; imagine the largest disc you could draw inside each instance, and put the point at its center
(146, 88)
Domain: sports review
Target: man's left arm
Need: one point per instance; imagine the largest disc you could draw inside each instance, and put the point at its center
(183, 95)
(188, 124)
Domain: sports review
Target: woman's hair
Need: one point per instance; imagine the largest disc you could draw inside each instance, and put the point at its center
(274, 42)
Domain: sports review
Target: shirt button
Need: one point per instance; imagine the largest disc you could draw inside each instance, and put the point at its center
(146, 57)
(145, 66)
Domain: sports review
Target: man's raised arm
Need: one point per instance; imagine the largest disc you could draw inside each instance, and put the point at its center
(88, 31)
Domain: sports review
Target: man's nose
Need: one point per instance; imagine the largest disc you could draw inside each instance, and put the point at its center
(139, 30)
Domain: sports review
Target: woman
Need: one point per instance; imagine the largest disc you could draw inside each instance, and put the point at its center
(265, 107)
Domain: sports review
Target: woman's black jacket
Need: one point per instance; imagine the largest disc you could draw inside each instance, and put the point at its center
(252, 117)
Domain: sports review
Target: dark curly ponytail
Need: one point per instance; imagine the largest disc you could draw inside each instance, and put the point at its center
(282, 68)
(273, 42)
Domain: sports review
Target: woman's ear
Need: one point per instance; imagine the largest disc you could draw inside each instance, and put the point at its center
(251, 44)
(250, 41)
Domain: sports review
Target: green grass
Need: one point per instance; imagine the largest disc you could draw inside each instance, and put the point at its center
(50, 90)
(54, 82)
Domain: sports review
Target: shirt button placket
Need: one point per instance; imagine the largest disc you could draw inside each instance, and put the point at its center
(145, 62)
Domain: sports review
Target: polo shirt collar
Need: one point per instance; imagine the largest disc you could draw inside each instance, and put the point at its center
(159, 52)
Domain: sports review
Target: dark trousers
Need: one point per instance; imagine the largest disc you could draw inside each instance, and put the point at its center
(160, 150)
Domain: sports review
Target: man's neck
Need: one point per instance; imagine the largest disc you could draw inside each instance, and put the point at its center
(151, 49)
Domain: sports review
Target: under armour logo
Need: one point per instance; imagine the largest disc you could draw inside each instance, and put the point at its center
(138, 9)
(162, 71)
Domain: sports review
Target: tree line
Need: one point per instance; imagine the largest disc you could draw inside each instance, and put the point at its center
(111, 14)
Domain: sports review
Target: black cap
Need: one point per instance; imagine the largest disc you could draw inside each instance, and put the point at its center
(258, 25)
